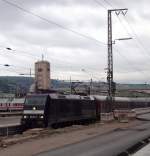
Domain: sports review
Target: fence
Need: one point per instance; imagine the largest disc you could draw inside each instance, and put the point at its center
(10, 130)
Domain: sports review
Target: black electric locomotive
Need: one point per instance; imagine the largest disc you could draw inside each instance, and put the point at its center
(53, 110)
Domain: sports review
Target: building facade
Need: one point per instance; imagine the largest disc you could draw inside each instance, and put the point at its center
(42, 75)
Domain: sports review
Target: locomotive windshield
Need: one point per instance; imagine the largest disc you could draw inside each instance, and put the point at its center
(35, 100)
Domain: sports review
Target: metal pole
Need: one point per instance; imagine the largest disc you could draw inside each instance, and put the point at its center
(91, 85)
(111, 84)
(110, 63)
(30, 72)
(70, 86)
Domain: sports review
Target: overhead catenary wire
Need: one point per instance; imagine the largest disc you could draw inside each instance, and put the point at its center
(14, 50)
(20, 51)
(138, 40)
(15, 66)
(100, 3)
(108, 3)
(91, 74)
(128, 33)
(131, 64)
(99, 43)
(12, 70)
(53, 22)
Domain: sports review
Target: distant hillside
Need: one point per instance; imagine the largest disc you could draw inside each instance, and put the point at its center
(133, 86)
(9, 84)
(13, 84)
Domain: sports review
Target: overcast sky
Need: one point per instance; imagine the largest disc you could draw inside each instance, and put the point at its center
(68, 52)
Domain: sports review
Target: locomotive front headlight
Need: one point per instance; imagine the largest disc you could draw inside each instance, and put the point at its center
(24, 116)
(41, 116)
(34, 108)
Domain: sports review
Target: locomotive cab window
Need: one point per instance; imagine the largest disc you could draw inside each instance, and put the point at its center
(35, 100)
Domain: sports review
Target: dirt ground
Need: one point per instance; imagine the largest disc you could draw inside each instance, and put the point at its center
(49, 139)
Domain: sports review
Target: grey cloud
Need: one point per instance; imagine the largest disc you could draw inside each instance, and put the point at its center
(67, 52)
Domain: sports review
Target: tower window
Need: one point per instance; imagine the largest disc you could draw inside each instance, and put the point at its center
(39, 69)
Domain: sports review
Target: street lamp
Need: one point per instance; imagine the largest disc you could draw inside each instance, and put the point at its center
(27, 73)
(90, 74)
(91, 81)
(8, 48)
(24, 52)
(121, 39)
(8, 65)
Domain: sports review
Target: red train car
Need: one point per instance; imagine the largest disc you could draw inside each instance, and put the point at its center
(3, 104)
(16, 104)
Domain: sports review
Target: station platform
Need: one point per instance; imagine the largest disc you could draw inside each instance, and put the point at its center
(144, 151)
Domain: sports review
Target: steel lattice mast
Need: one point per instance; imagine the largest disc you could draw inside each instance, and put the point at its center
(111, 84)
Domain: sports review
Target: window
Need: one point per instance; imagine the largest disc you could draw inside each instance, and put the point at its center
(39, 69)
(35, 100)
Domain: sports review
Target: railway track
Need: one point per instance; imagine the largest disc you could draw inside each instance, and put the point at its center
(3, 114)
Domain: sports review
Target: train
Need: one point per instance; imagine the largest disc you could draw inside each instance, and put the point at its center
(56, 110)
(11, 104)
(123, 102)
